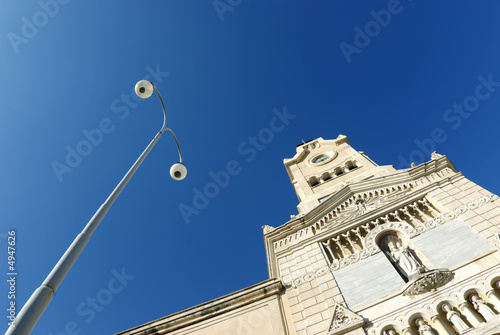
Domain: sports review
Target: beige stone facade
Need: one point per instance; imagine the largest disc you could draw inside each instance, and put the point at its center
(372, 250)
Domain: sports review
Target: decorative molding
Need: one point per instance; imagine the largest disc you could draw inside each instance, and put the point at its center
(362, 203)
(344, 320)
(372, 248)
(373, 200)
(428, 282)
(370, 238)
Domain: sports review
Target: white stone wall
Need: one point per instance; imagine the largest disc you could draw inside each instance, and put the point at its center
(485, 219)
(311, 302)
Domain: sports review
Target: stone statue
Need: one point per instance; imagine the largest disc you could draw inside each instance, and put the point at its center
(454, 317)
(481, 306)
(403, 257)
(423, 327)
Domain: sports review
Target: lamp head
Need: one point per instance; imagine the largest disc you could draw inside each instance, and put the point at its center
(178, 171)
(144, 89)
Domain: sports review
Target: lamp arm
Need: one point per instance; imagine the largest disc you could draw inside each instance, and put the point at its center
(165, 123)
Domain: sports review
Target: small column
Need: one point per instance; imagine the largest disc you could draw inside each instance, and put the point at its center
(481, 306)
(431, 210)
(366, 227)
(328, 247)
(454, 317)
(407, 212)
(347, 236)
(357, 231)
(337, 241)
(440, 326)
(469, 314)
(415, 206)
(493, 298)
(396, 215)
(407, 331)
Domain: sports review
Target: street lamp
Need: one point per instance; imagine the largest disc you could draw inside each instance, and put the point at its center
(40, 299)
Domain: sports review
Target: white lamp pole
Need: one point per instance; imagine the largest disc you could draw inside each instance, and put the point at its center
(40, 299)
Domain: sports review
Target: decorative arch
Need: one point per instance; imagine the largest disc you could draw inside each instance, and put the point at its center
(374, 236)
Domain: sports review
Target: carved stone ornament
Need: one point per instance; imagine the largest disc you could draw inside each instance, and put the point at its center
(267, 229)
(344, 320)
(428, 282)
(435, 155)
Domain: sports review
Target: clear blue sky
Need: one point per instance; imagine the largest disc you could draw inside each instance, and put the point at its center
(389, 83)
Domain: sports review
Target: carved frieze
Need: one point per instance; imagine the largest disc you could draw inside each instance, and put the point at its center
(354, 207)
(362, 205)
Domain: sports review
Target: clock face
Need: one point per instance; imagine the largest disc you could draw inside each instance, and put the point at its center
(320, 159)
(323, 158)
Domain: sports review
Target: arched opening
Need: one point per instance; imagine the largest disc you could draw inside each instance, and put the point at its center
(326, 176)
(421, 324)
(350, 165)
(313, 181)
(402, 256)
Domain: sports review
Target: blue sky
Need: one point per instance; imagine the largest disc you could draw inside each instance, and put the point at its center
(400, 79)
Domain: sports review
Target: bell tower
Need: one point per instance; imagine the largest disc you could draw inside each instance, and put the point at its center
(321, 167)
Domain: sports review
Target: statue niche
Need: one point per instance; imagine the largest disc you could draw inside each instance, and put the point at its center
(402, 257)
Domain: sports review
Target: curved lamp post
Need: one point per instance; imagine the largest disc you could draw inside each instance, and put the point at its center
(40, 299)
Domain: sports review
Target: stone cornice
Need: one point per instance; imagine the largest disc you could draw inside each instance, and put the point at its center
(209, 309)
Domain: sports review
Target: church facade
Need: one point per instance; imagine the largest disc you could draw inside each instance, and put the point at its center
(373, 250)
